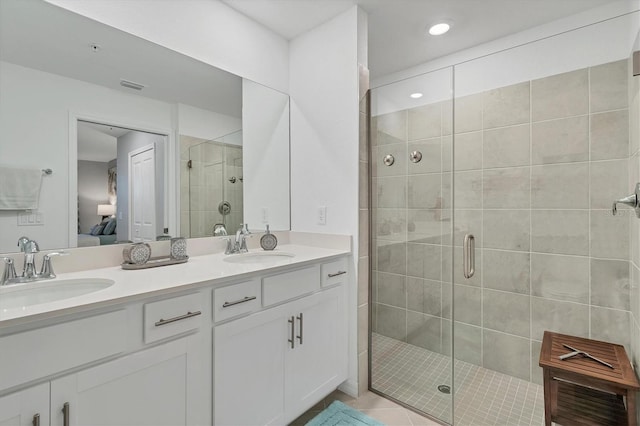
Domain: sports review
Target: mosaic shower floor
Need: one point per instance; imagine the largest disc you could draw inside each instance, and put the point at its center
(411, 374)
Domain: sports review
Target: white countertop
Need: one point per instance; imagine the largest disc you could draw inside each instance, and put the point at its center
(208, 269)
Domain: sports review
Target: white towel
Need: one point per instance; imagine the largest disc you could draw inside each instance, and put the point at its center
(19, 188)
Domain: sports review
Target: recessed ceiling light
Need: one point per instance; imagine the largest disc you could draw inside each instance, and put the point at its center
(439, 29)
(416, 95)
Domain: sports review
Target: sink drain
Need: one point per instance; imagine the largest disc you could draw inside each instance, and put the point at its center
(444, 389)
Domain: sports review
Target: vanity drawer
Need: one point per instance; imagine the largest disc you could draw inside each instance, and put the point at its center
(38, 353)
(334, 272)
(289, 285)
(236, 299)
(171, 317)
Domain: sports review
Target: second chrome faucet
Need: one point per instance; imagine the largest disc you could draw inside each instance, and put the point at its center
(239, 244)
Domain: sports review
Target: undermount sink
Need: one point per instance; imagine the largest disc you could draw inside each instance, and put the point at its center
(259, 257)
(21, 296)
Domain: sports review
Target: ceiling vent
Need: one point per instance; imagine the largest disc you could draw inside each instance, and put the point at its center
(131, 84)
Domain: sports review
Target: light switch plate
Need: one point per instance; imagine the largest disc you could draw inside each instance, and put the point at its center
(322, 215)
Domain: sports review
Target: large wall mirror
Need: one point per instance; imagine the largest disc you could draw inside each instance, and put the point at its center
(140, 139)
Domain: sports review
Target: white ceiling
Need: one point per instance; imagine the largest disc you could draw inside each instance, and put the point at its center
(39, 35)
(397, 27)
(98, 142)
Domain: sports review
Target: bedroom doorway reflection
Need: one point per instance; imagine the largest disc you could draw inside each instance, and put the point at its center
(104, 182)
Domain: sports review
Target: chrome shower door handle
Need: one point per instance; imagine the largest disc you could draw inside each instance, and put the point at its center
(469, 256)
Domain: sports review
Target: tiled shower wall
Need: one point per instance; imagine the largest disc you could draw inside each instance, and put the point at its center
(207, 184)
(537, 166)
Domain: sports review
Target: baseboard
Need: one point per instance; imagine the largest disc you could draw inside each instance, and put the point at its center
(349, 387)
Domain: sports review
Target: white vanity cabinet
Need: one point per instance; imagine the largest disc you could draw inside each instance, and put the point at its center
(144, 388)
(99, 370)
(29, 407)
(273, 365)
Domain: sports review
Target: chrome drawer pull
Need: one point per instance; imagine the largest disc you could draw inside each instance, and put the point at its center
(292, 340)
(299, 318)
(174, 319)
(66, 413)
(337, 273)
(237, 302)
(36, 420)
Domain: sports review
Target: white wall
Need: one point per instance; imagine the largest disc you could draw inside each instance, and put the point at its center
(324, 126)
(203, 124)
(34, 118)
(265, 157)
(209, 31)
(324, 89)
(92, 190)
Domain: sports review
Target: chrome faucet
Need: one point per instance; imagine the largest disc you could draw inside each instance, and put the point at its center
(30, 248)
(29, 272)
(239, 245)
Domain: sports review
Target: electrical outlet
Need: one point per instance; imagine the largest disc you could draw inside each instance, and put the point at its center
(322, 215)
(265, 215)
(30, 219)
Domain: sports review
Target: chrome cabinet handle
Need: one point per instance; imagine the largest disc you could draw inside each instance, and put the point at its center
(36, 420)
(469, 256)
(178, 318)
(299, 317)
(66, 412)
(293, 333)
(337, 273)
(237, 302)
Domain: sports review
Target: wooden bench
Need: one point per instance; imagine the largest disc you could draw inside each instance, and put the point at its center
(581, 391)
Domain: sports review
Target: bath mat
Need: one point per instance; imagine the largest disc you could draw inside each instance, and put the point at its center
(339, 414)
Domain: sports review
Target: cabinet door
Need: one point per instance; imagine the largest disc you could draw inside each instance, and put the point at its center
(144, 388)
(29, 407)
(249, 369)
(318, 364)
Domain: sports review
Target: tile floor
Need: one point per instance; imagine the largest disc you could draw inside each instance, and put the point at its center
(374, 406)
(411, 374)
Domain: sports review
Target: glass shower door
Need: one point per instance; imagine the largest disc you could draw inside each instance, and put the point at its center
(411, 223)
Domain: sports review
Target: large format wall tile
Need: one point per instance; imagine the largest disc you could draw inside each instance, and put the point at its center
(467, 304)
(390, 128)
(425, 226)
(560, 231)
(431, 150)
(560, 186)
(424, 122)
(391, 322)
(424, 261)
(424, 296)
(506, 270)
(610, 135)
(609, 86)
(392, 289)
(506, 106)
(560, 141)
(467, 343)
(467, 151)
(610, 325)
(610, 283)
(506, 354)
(506, 312)
(560, 277)
(424, 331)
(424, 191)
(506, 146)
(609, 182)
(467, 190)
(468, 113)
(609, 235)
(562, 95)
(560, 317)
(506, 229)
(506, 188)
